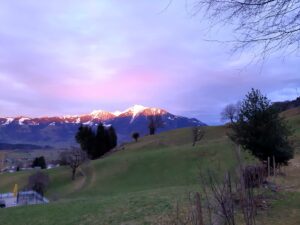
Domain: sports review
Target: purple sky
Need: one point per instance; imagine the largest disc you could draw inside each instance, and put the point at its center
(72, 56)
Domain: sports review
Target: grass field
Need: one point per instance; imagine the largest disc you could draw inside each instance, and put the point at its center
(145, 181)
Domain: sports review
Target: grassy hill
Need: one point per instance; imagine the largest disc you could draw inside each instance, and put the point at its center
(142, 182)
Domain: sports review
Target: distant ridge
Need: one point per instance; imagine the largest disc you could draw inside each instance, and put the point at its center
(283, 106)
(60, 130)
(95, 116)
(6, 146)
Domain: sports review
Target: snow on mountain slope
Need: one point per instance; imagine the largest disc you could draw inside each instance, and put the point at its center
(22, 120)
(136, 110)
(8, 121)
(103, 115)
(117, 113)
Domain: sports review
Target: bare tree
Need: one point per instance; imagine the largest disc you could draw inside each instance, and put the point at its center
(220, 199)
(38, 182)
(198, 134)
(2, 160)
(229, 113)
(63, 158)
(270, 24)
(155, 122)
(224, 197)
(75, 158)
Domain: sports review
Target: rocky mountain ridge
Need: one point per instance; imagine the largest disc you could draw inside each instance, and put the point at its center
(60, 130)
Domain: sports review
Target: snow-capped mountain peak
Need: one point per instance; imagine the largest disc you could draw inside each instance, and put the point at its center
(97, 112)
(101, 114)
(117, 113)
(136, 109)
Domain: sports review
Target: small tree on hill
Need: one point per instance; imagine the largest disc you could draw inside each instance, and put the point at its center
(230, 113)
(198, 134)
(75, 158)
(261, 130)
(39, 162)
(155, 122)
(135, 136)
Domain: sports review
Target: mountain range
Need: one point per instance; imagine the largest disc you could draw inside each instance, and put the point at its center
(60, 130)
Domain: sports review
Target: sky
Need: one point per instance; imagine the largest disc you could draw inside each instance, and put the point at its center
(63, 57)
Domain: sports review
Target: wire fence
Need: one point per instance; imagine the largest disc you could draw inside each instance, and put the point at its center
(23, 198)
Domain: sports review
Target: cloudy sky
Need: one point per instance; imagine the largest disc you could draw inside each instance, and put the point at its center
(72, 56)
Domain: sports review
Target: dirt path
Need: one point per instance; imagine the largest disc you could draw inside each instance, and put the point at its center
(290, 181)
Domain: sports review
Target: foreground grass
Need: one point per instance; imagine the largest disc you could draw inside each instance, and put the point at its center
(141, 183)
(131, 186)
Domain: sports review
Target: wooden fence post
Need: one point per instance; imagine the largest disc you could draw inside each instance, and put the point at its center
(199, 216)
(269, 167)
(274, 167)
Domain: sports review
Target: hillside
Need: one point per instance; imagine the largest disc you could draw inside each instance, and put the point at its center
(287, 105)
(142, 182)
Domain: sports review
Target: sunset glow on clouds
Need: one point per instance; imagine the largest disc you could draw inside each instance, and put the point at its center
(70, 57)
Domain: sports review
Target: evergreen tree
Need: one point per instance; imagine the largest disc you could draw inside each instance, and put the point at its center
(39, 162)
(85, 137)
(99, 143)
(113, 139)
(260, 129)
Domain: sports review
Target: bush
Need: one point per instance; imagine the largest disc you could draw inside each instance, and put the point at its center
(254, 175)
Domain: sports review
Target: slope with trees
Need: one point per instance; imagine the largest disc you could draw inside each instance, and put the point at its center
(142, 183)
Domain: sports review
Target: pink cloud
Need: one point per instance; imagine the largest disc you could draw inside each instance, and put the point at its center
(135, 85)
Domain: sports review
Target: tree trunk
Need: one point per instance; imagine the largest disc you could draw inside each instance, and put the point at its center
(73, 173)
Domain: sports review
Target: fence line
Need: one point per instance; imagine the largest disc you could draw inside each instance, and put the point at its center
(31, 195)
